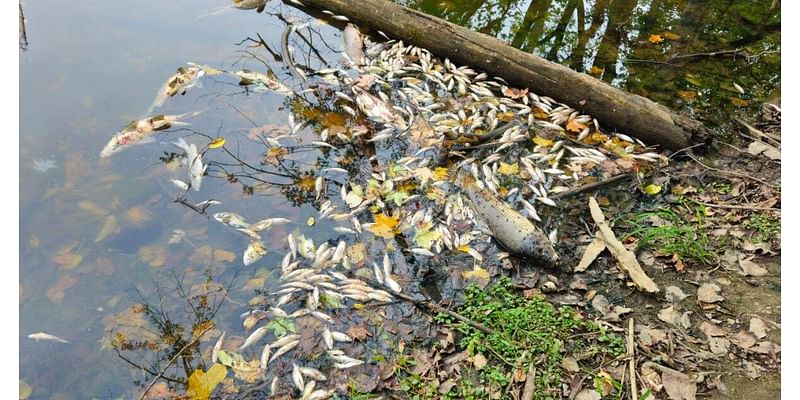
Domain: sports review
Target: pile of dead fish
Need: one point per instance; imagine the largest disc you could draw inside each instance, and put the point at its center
(479, 159)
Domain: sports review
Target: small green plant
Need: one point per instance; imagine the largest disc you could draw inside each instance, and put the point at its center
(673, 234)
(530, 331)
(764, 228)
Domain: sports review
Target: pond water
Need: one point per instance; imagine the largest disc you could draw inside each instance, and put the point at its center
(100, 237)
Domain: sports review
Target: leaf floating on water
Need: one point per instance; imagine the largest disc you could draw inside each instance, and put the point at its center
(202, 384)
(216, 143)
(424, 237)
(224, 255)
(68, 260)
(56, 292)
(155, 256)
(137, 215)
(540, 141)
(385, 226)
(25, 390)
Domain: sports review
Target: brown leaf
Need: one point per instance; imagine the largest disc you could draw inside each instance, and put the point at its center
(766, 348)
(575, 126)
(56, 292)
(479, 361)
(514, 93)
(671, 316)
(160, 391)
(709, 293)
(744, 339)
(711, 330)
(590, 254)
(679, 386)
(224, 255)
(749, 268)
(588, 394)
(758, 328)
(719, 346)
(651, 336)
(358, 332)
(674, 294)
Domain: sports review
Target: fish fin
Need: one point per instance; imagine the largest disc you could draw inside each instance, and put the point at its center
(180, 123)
(216, 11)
(146, 140)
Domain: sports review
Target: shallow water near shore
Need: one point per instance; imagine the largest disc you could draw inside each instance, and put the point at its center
(97, 236)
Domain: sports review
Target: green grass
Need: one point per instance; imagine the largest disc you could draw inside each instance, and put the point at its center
(528, 332)
(763, 227)
(678, 235)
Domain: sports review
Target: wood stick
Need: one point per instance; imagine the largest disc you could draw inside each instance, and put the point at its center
(590, 186)
(625, 258)
(629, 113)
(632, 362)
(530, 384)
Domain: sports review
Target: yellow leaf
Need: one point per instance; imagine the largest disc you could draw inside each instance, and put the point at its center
(56, 292)
(439, 174)
(218, 142)
(463, 248)
(477, 273)
(311, 221)
(385, 226)
(508, 169)
(596, 70)
(137, 215)
(87, 205)
(202, 384)
(540, 141)
(671, 36)
(224, 255)
(68, 260)
(540, 114)
(24, 390)
(686, 94)
(655, 39)
(574, 126)
(155, 256)
(652, 189)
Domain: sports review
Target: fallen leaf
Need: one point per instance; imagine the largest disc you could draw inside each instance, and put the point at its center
(155, 256)
(679, 386)
(218, 142)
(671, 316)
(758, 328)
(425, 237)
(744, 339)
(357, 254)
(595, 70)
(588, 394)
(574, 126)
(540, 141)
(202, 384)
(137, 215)
(749, 268)
(709, 293)
(477, 273)
(358, 332)
(570, 364)
(508, 169)
(479, 361)
(385, 226)
(514, 93)
(719, 346)
(687, 95)
(651, 336)
(274, 155)
(671, 36)
(68, 260)
(711, 330)
(655, 39)
(767, 348)
(652, 189)
(590, 254)
(25, 390)
(160, 391)
(224, 255)
(56, 292)
(739, 102)
(674, 294)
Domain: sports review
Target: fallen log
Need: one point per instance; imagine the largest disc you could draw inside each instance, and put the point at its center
(628, 113)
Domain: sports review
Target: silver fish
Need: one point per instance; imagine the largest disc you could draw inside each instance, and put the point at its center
(46, 336)
(254, 337)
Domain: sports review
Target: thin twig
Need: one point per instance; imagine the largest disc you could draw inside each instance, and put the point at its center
(172, 360)
(737, 174)
(590, 186)
(737, 207)
(632, 362)
(530, 384)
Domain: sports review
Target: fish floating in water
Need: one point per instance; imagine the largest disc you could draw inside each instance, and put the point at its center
(46, 336)
(140, 131)
(184, 79)
(353, 44)
(509, 227)
(248, 77)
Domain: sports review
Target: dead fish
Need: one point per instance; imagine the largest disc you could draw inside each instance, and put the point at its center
(217, 348)
(510, 228)
(248, 77)
(254, 337)
(258, 5)
(193, 161)
(283, 350)
(376, 109)
(141, 131)
(297, 377)
(184, 79)
(231, 219)
(353, 44)
(46, 336)
(255, 250)
(284, 340)
(264, 360)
